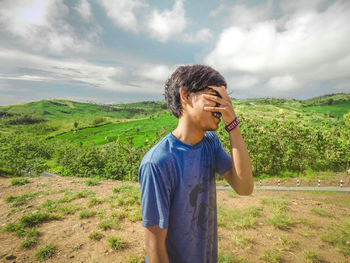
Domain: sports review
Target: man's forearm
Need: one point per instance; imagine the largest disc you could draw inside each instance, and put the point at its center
(241, 176)
(157, 254)
(155, 244)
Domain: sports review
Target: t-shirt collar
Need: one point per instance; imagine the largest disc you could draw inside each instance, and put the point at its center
(187, 146)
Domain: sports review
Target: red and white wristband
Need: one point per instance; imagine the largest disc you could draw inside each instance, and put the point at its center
(229, 127)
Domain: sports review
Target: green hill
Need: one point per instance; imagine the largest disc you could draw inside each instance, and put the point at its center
(59, 109)
(78, 122)
(52, 117)
(329, 99)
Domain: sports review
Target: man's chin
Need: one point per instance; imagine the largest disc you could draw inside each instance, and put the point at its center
(213, 129)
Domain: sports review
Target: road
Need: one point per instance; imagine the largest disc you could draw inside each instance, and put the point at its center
(269, 188)
(294, 188)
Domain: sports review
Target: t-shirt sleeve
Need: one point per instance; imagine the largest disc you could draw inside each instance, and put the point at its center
(223, 160)
(155, 196)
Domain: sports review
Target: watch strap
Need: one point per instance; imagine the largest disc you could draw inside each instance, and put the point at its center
(229, 127)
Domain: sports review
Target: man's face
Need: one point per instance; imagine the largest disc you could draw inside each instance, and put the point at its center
(204, 119)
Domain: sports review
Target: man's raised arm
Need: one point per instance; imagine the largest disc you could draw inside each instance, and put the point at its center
(240, 176)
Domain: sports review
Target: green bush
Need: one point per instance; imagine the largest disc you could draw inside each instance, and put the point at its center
(92, 182)
(95, 236)
(24, 119)
(19, 181)
(46, 252)
(117, 243)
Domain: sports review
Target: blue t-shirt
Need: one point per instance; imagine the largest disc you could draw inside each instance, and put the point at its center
(178, 193)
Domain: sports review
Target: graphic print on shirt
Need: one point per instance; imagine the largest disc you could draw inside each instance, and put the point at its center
(203, 210)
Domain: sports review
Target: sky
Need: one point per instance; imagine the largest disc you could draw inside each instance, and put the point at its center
(121, 51)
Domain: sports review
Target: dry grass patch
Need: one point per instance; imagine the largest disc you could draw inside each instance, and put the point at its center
(312, 257)
(45, 252)
(339, 236)
(96, 236)
(228, 258)
(281, 221)
(321, 212)
(273, 255)
(20, 181)
(239, 219)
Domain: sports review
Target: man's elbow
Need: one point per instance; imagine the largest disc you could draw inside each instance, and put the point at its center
(246, 191)
(248, 187)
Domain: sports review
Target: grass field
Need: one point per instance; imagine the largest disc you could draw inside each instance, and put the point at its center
(83, 220)
(335, 110)
(140, 130)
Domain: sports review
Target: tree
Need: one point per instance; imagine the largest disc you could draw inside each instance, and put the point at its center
(347, 118)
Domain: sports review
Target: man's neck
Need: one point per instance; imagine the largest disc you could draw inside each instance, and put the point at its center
(187, 132)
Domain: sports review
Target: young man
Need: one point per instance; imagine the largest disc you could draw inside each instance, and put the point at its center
(177, 176)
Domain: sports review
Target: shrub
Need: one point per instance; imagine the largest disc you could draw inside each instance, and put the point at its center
(281, 221)
(19, 181)
(45, 252)
(117, 243)
(272, 256)
(24, 119)
(87, 214)
(31, 238)
(95, 236)
(92, 182)
(109, 224)
(21, 199)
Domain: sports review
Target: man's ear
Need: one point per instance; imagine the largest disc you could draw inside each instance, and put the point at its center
(184, 96)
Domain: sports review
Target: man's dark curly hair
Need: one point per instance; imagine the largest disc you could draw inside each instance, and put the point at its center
(193, 78)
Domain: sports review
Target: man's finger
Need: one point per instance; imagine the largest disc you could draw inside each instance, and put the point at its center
(221, 89)
(213, 109)
(213, 98)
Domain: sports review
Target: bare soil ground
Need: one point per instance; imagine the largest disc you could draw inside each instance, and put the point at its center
(315, 216)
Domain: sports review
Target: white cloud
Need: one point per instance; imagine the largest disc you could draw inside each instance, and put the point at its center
(163, 25)
(122, 12)
(242, 16)
(301, 5)
(242, 82)
(79, 72)
(311, 42)
(203, 35)
(20, 17)
(26, 77)
(84, 10)
(147, 80)
(283, 83)
(242, 49)
(41, 26)
(156, 73)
